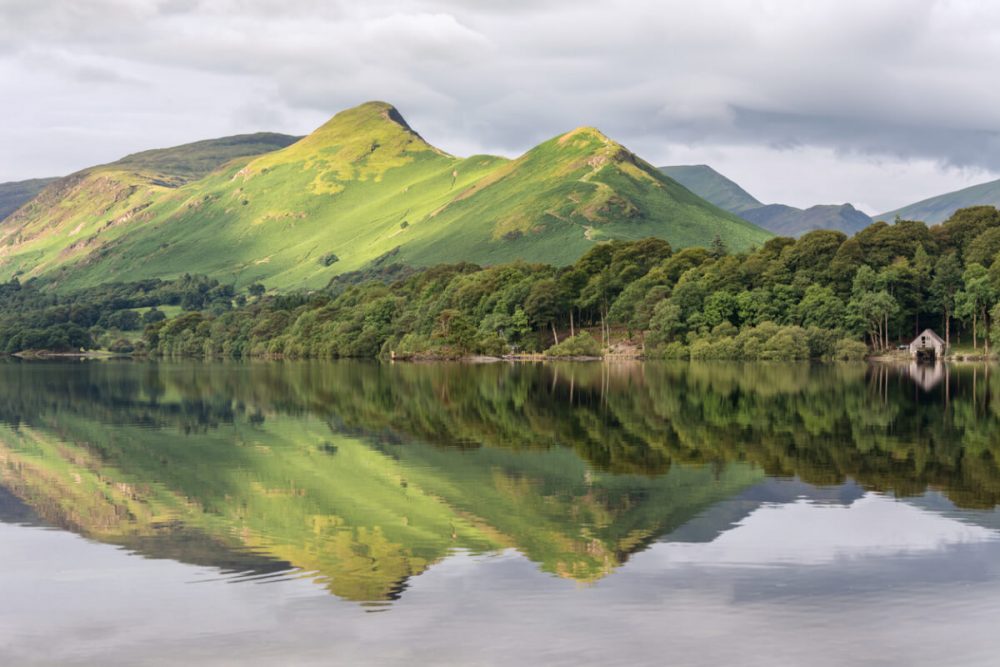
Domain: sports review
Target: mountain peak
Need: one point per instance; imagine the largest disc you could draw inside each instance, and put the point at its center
(368, 116)
(587, 132)
(371, 137)
(591, 141)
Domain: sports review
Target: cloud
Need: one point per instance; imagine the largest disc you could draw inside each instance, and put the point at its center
(804, 533)
(899, 81)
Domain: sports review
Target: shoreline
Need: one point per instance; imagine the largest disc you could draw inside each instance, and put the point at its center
(90, 354)
(36, 355)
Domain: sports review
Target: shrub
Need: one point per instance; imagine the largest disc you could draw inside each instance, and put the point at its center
(674, 350)
(121, 346)
(751, 340)
(788, 344)
(724, 348)
(153, 315)
(580, 345)
(723, 330)
(123, 320)
(822, 342)
(492, 345)
(413, 344)
(850, 350)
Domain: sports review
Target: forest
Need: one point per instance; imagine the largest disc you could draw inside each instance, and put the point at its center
(824, 295)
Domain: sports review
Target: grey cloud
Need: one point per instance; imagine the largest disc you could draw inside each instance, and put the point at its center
(908, 81)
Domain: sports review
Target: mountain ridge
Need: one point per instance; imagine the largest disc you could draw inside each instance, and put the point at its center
(363, 185)
(713, 186)
(14, 194)
(937, 209)
(780, 219)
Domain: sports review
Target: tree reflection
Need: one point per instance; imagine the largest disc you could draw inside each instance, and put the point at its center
(366, 474)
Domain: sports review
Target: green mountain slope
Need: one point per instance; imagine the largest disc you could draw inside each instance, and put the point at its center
(712, 186)
(79, 216)
(778, 218)
(937, 209)
(361, 187)
(14, 195)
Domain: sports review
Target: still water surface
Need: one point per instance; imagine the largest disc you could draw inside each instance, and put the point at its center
(354, 513)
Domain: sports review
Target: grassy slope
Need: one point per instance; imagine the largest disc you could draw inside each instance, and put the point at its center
(365, 184)
(712, 186)
(935, 210)
(81, 216)
(14, 195)
(552, 203)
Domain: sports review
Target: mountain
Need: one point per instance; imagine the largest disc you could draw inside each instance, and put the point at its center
(14, 195)
(709, 184)
(938, 209)
(790, 221)
(82, 212)
(778, 218)
(362, 187)
(190, 162)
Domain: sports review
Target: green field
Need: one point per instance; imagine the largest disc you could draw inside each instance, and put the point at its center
(361, 188)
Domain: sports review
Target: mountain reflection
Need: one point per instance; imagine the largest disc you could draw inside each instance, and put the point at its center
(364, 475)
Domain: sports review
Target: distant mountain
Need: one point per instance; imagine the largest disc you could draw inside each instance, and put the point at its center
(189, 162)
(778, 218)
(362, 188)
(14, 195)
(709, 184)
(938, 209)
(790, 221)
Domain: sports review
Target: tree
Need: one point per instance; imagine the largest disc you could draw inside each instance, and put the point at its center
(719, 307)
(666, 322)
(455, 329)
(820, 307)
(945, 284)
(976, 300)
(984, 248)
(872, 307)
(958, 231)
(544, 303)
(812, 255)
(153, 315)
(902, 282)
(598, 294)
(718, 249)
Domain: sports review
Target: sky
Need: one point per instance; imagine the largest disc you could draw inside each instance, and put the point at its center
(831, 101)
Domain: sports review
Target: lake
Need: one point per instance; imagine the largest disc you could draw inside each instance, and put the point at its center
(352, 513)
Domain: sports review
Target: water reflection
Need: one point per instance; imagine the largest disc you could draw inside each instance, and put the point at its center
(362, 476)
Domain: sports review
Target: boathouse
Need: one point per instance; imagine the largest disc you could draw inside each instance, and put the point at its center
(928, 345)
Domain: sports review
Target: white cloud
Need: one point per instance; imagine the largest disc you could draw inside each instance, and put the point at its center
(804, 533)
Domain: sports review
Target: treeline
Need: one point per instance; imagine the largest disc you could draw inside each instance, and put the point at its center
(819, 296)
(822, 296)
(35, 318)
